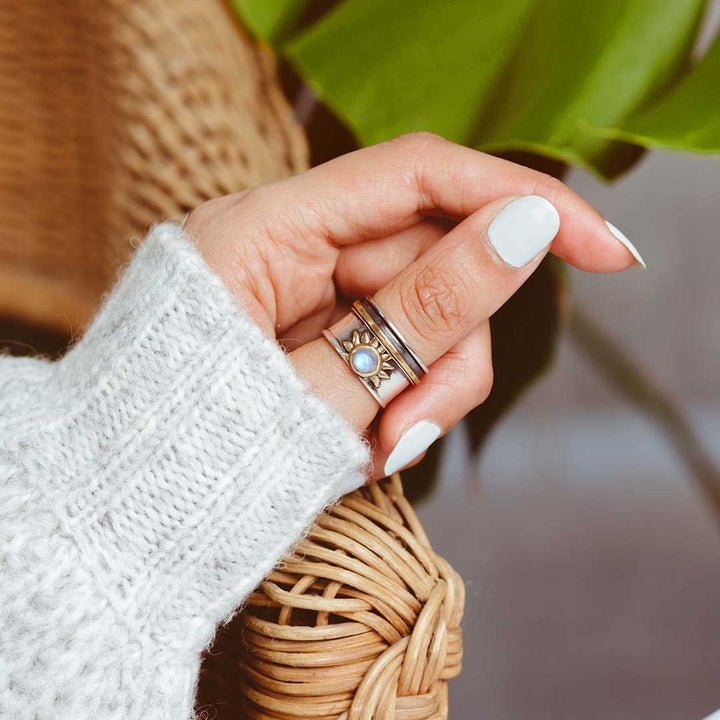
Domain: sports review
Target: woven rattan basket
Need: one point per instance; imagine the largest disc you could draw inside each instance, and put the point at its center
(362, 622)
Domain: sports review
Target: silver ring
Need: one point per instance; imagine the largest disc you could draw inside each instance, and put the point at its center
(375, 351)
(395, 337)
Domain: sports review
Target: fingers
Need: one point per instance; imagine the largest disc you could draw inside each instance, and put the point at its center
(311, 326)
(459, 381)
(441, 297)
(383, 189)
(364, 268)
(465, 277)
(330, 379)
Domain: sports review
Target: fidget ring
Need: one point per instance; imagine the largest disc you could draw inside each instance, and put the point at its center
(375, 351)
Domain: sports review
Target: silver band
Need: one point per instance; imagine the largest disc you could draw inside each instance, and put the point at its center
(395, 337)
(375, 351)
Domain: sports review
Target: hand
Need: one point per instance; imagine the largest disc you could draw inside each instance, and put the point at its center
(409, 221)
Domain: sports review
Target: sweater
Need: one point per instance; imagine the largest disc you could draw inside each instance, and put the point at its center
(149, 480)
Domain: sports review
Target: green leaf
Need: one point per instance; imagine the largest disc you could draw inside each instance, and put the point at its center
(687, 118)
(581, 64)
(269, 20)
(388, 68)
(498, 74)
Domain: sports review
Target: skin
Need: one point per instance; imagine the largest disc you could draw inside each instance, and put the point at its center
(405, 221)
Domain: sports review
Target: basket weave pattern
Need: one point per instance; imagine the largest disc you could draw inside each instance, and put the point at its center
(361, 622)
(115, 115)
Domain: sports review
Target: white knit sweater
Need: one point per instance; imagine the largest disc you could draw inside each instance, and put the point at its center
(148, 481)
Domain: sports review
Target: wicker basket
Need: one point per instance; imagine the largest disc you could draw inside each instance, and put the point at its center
(362, 622)
(115, 115)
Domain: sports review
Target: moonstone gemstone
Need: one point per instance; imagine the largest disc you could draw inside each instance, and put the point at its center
(365, 360)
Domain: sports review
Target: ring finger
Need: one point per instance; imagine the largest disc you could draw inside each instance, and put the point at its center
(363, 269)
(456, 383)
(440, 298)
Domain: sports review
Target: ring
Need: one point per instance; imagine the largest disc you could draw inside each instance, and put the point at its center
(373, 348)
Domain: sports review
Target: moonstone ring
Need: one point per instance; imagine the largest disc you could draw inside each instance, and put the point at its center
(375, 351)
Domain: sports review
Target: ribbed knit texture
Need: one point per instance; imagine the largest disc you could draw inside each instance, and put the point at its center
(148, 481)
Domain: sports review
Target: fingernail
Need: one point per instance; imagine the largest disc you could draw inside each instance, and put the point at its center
(415, 440)
(627, 245)
(524, 229)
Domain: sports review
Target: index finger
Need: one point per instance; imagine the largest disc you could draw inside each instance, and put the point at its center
(384, 188)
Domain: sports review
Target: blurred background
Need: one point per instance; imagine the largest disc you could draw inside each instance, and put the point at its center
(581, 503)
(591, 557)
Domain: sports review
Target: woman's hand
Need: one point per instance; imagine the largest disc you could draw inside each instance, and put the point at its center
(439, 234)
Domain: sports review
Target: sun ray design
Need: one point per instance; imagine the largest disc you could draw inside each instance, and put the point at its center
(368, 358)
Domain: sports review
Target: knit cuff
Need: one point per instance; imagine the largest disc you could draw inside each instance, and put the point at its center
(193, 457)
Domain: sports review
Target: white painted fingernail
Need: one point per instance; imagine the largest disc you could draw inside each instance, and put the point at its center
(627, 245)
(416, 439)
(524, 229)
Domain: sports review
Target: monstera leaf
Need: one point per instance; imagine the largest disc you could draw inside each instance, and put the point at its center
(532, 75)
(686, 118)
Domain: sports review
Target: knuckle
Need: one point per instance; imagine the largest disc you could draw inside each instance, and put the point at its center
(433, 301)
(420, 137)
(483, 380)
(548, 185)
(416, 152)
(414, 143)
(473, 375)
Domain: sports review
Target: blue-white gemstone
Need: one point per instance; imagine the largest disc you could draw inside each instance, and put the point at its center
(365, 360)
